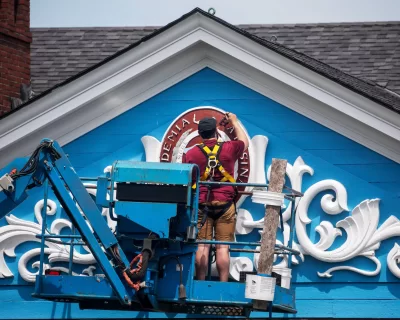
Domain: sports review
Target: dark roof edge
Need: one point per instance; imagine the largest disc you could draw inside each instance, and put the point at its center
(270, 45)
(292, 24)
(273, 46)
(33, 29)
(95, 66)
(344, 23)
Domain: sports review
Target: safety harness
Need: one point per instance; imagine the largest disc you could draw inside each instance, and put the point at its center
(213, 163)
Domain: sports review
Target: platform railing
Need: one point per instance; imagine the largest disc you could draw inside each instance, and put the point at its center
(279, 249)
(47, 236)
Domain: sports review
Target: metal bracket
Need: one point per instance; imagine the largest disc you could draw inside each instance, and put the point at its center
(191, 233)
(6, 183)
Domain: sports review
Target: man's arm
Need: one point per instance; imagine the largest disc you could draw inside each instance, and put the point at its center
(241, 135)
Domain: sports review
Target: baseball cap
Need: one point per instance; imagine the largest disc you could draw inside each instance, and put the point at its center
(207, 124)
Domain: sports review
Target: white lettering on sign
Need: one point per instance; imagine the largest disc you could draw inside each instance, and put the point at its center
(167, 147)
(243, 173)
(184, 121)
(194, 119)
(165, 157)
(173, 133)
(182, 135)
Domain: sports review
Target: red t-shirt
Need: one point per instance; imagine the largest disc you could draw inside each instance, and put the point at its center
(230, 153)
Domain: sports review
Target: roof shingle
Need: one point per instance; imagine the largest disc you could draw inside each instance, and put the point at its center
(57, 54)
(368, 51)
(61, 55)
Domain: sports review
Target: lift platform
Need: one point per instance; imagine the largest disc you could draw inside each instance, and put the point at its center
(155, 208)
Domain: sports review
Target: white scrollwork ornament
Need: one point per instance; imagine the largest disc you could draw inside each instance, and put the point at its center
(245, 223)
(19, 231)
(361, 227)
(393, 260)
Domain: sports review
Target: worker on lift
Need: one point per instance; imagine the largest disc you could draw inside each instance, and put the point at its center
(217, 210)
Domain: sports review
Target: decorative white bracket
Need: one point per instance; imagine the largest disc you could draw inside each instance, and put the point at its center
(268, 198)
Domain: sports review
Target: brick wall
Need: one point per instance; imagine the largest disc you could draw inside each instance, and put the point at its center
(15, 40)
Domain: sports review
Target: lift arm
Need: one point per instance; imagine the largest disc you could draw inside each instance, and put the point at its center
(49, 162)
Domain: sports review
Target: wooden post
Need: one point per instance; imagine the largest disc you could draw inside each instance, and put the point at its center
(271, 221)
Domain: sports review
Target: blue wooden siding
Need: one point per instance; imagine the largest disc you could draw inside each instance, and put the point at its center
(364, 173)
(207, 87)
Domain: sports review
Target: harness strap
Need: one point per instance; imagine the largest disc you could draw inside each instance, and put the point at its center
(213, 163)
(227, 176)
(211, 211)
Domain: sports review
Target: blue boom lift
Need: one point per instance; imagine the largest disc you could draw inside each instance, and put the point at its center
(156, 214)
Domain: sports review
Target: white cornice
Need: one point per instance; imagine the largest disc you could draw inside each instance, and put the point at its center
(124, 82)
(303, 104)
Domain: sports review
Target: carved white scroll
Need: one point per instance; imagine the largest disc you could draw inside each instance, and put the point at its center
(363, 235)
(361, 225)
(393, 260)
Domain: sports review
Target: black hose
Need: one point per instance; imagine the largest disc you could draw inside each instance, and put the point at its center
(32, 164)
(145, 262)
(180, 266)
(116, 256)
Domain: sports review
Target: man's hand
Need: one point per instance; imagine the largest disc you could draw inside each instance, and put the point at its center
(241, 135)
(232, 118)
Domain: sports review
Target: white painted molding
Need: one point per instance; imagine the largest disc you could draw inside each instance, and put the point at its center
(299, 77)
(68, 127)
(262, 83)
(19, 231)
(123, 83)
(239, 264)
(245, 223)
(268, 198)
(393, 260)
(363, 234)
(152, 148)
(361, 226)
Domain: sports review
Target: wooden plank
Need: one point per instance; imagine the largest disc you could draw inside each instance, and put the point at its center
(271, 221)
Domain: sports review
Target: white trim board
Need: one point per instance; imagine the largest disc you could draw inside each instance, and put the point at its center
(303, 104)
(194, 43)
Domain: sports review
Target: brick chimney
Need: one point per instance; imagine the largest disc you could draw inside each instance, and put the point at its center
(15, 42)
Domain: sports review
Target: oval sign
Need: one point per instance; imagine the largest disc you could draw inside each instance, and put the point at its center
(183, 134)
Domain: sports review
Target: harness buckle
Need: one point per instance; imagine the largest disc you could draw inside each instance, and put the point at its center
(212, 162)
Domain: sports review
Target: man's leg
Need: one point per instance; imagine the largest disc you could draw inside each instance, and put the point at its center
(224, 231)
(223, 262)
(202, 261)
(202, 253)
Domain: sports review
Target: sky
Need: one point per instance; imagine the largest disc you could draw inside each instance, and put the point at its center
(102, 13)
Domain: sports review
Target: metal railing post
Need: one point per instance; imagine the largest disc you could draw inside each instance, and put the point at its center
(71, 253)
(42, 242)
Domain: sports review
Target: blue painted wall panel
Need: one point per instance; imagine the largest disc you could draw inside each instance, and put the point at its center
(364, 173)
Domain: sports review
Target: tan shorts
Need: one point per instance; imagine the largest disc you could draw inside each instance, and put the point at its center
(223, 227)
